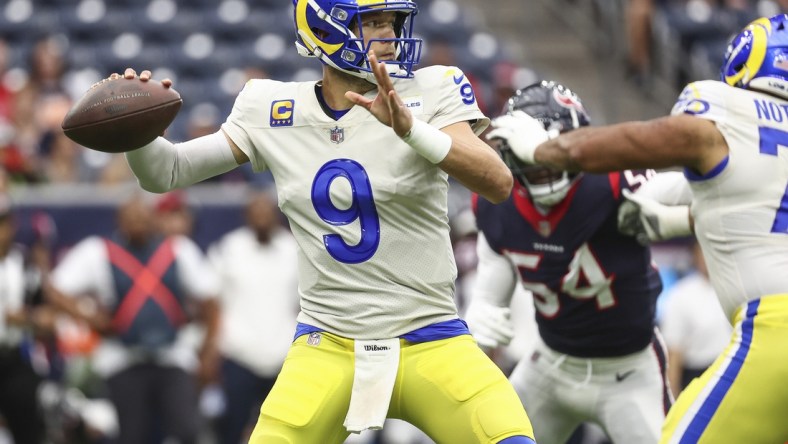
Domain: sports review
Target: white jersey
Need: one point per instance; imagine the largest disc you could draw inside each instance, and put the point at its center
(369, 213)
(741, 207)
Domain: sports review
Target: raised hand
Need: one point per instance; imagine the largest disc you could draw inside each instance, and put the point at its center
(387, 106)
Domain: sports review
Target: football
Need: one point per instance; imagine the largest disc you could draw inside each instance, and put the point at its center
(121, 115)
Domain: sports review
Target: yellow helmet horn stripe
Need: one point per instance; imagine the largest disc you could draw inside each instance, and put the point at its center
(761, 29)
(303, 26)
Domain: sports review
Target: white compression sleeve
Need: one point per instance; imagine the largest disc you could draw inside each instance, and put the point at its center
(162, 166)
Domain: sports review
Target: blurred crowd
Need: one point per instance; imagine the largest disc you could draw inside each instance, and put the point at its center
(42, 73)
(684, 40)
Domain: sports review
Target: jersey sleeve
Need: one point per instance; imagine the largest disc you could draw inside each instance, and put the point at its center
(704, 99)
(248, 113)
(455, 99)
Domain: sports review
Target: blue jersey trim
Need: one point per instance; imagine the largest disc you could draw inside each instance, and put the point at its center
(433, 332)
(305, 329)
(713, 401)
(695, 177)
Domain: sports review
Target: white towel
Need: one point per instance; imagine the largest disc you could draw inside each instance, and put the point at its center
(376, 365)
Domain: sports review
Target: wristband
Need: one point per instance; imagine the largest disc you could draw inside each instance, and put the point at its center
(430, 142)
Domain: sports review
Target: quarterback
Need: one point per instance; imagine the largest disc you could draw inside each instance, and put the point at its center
(731, 138)
(361, 161)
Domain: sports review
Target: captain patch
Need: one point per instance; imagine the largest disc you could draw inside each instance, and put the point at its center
(282, 112)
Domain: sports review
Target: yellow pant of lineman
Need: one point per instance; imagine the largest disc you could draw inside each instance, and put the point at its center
(448, 388)
(743, 396)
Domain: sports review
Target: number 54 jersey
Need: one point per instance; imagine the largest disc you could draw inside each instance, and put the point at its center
(594, 289)
(369, 213)
(741, 206)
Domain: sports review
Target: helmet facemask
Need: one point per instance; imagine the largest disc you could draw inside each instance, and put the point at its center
(546, 186)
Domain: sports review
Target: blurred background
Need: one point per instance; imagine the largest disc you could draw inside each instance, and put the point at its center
(627, 59)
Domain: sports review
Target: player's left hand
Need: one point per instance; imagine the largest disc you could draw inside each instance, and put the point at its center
(521, 132)
(650, 221)
(387, 106)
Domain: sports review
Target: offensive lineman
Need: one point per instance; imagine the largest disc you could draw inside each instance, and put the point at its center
(368, 209)
(731, 138)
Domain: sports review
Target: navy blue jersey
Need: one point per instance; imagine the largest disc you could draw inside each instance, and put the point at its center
(594, 288)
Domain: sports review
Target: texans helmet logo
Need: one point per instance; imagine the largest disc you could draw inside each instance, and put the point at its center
(567, 100)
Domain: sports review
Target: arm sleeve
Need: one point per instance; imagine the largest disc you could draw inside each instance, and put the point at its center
(495, 277)
(161, 165)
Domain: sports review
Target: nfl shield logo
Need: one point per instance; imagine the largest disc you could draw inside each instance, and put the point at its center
(313, 339)
(337, 134)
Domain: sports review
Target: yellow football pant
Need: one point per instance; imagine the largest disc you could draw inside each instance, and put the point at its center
(448, 388)
(743, 396)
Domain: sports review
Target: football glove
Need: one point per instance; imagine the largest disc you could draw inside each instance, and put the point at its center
(650, 221)
(521, 132)
(490, 325)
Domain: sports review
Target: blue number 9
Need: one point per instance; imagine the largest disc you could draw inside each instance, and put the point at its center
(362, 208)
(466, 91)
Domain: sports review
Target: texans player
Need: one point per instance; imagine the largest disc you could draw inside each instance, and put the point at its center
(365, 190)
(599, 357)
(730, 137)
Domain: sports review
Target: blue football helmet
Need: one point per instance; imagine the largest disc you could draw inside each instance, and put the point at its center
(559, 110)
(323, 30)
(757, 58)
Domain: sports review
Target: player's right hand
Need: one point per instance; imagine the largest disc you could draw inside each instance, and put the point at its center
(521, 132)
(490, 324)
